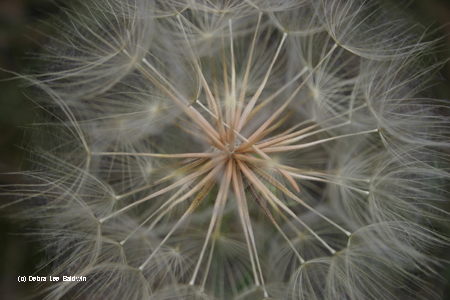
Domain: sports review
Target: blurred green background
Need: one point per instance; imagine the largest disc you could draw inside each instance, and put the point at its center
(18, 39)
(18, 19)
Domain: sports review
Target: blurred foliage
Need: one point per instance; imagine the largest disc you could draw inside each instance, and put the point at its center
(18, 19)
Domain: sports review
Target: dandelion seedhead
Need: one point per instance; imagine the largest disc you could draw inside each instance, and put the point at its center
(230, 149)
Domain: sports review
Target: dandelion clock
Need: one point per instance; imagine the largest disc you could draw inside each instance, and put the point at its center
(230, 149)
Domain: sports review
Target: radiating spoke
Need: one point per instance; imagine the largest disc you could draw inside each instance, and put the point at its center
(247, 71)
(178, 99)
(267, 212)
(254, 137)
(212, 102)
(220, 201)
(297, 136)
(274, 201)
(283, 189)
(313, 178)
(181, 155)
(260, 106)
(255, 97)
(170, 200)
(239, 194)
(210, 165)
(306, 145)
(188, 212)
(186, 168)
(288, 133)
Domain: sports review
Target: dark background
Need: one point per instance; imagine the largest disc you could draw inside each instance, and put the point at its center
(18, 18)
